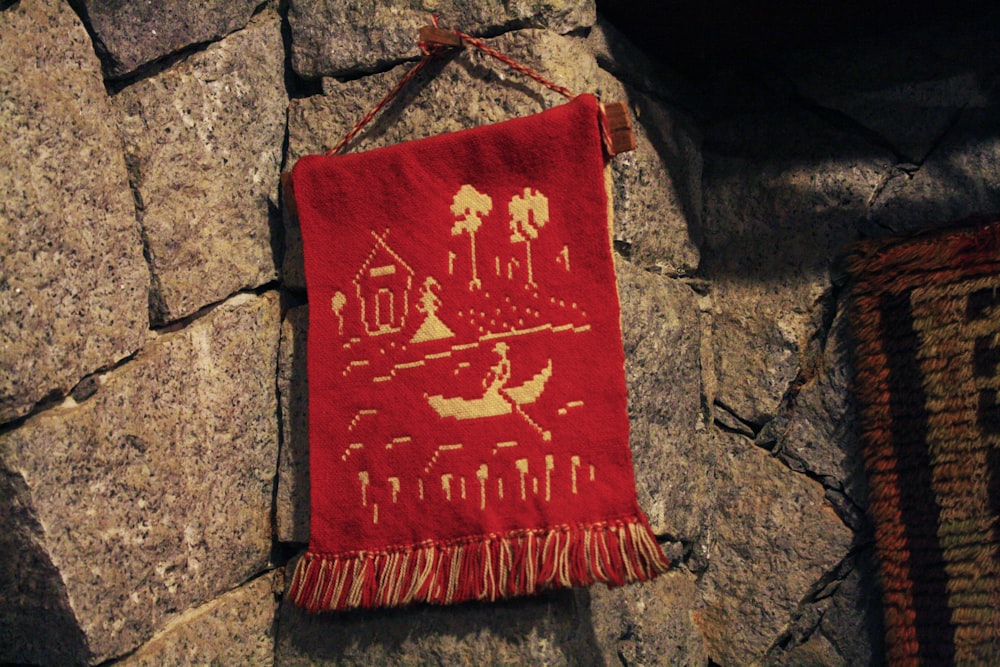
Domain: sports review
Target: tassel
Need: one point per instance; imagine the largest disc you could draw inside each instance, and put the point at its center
(487, 568)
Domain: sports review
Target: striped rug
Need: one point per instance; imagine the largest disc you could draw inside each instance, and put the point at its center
(925, 317)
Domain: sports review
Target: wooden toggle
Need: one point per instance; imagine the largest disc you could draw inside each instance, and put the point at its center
(619, 128)
(434, 36)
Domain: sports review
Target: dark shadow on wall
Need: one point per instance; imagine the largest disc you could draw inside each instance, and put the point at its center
(867, 605)
(31, 589)
(701, 36)
(865, 96)
(804, 156)
(781, 215)
(546, 629)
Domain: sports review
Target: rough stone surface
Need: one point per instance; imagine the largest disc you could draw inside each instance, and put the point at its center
(154, 494)
(130, 34)
(333, 38)
(203, 143)
(617, 55)
(880, 93)
(650, 624)
(544, 630)
(660, 329)
(292, 500)
(961, 177)
(784, 192)
(774, 538)
(657, 187)
(849, 630)
(820, 434)
(70, 248)
(234, 629)
(817, 651)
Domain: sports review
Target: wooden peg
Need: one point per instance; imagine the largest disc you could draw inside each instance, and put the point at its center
(434, 36)
(619, 128)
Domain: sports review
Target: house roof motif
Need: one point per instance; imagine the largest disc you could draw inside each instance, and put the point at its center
(380, 245)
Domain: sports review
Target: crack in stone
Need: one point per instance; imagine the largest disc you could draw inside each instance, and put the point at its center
(879, 188)
(115, 84)
(936, 143)
(742, 426)
(804, 625)
(910, 168)
(184, 322)
(186, 616)
(296, 87)
(838, 119)
(83, 390)
(88, 385)
(156, 306)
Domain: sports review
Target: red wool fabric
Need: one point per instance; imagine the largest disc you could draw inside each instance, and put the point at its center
(467, 418)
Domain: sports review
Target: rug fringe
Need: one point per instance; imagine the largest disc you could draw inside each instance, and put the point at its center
(484, 568)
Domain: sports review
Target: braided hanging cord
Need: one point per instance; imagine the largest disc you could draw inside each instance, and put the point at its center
(514, 65)
(430, 51)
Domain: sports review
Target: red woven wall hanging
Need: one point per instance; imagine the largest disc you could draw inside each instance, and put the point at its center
(468, 428)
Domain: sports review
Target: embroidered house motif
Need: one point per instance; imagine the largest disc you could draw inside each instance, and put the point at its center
(383, 288)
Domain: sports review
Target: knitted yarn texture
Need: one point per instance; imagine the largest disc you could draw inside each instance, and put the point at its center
(467, 404)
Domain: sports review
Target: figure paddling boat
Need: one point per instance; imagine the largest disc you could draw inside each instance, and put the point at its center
(497, 398)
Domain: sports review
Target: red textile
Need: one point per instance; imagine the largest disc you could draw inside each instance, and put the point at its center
(467, 420)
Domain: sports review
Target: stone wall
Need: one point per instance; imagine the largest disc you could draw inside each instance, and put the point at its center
(154, 486)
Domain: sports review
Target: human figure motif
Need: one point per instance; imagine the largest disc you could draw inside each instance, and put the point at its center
(429, 301)
(432, 327)
(497, 398)
(499, 374)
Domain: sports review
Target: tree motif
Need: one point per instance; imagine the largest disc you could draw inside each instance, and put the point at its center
(528, 214)
(337, 303)
(469, 206)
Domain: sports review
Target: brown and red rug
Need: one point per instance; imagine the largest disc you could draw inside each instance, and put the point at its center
(925, 315)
